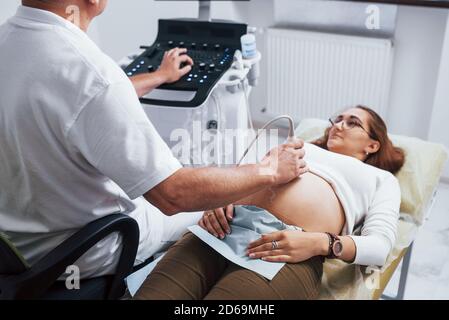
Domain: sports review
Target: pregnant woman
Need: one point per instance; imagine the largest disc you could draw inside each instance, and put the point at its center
(347, 206)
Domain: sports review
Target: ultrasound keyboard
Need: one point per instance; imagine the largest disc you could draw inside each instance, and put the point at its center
(211, 45)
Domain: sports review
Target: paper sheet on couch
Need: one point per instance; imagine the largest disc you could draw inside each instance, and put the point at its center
(265, 269)
(135, 280)
(248, 224)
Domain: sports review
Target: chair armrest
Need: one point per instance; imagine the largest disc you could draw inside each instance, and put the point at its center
(35, 281)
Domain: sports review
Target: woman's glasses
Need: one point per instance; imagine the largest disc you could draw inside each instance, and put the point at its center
(350, 123)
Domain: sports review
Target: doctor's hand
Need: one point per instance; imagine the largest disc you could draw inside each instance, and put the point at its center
(285, 162)
(290, 246)
(216, 221)
(170, 68)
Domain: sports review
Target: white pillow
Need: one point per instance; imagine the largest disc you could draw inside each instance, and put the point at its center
(418, 178)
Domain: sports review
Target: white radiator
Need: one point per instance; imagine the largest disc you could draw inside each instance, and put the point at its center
(313, 74)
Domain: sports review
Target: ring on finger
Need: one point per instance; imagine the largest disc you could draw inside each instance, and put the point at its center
(274, 244)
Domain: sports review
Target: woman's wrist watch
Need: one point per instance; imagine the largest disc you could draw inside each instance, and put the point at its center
(335, 246)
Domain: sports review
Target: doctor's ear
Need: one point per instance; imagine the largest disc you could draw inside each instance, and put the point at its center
(97, 6)
(96, 3)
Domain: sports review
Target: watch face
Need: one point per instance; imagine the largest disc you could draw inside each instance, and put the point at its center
(337, 248)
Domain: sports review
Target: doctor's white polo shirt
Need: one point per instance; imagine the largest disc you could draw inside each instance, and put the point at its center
(75, 143)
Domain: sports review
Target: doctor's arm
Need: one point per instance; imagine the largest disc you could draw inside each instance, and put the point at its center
(190, 189)
(169, 71)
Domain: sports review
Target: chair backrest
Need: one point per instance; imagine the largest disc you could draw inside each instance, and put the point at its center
(11, 261)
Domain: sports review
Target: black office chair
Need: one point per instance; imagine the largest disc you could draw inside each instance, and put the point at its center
(18, 280)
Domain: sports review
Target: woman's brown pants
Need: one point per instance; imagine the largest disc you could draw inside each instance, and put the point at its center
(191, 270)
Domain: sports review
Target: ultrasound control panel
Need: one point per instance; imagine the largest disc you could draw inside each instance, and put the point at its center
(211, 45)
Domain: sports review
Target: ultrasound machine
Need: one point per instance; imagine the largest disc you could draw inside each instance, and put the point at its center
(212, 98)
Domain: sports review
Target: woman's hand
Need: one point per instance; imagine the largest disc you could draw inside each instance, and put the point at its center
(216, 221)
(290, 246)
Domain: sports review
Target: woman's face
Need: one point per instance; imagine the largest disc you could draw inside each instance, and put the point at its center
(350, 134)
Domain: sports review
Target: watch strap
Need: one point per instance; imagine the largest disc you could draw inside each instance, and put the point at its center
(332, 238)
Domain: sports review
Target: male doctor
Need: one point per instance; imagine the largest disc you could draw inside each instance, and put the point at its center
(76, 145)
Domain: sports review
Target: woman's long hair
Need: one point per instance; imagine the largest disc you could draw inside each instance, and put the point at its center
(388, 157)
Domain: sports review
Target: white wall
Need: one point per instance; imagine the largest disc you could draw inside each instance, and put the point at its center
(439, 122)
(335, 16)
(7, 9)
(418, 44)
(126, 25)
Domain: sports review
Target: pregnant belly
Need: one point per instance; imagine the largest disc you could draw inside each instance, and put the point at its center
(309, 202)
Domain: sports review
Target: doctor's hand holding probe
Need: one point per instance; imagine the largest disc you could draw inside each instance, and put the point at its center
(195, 189)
